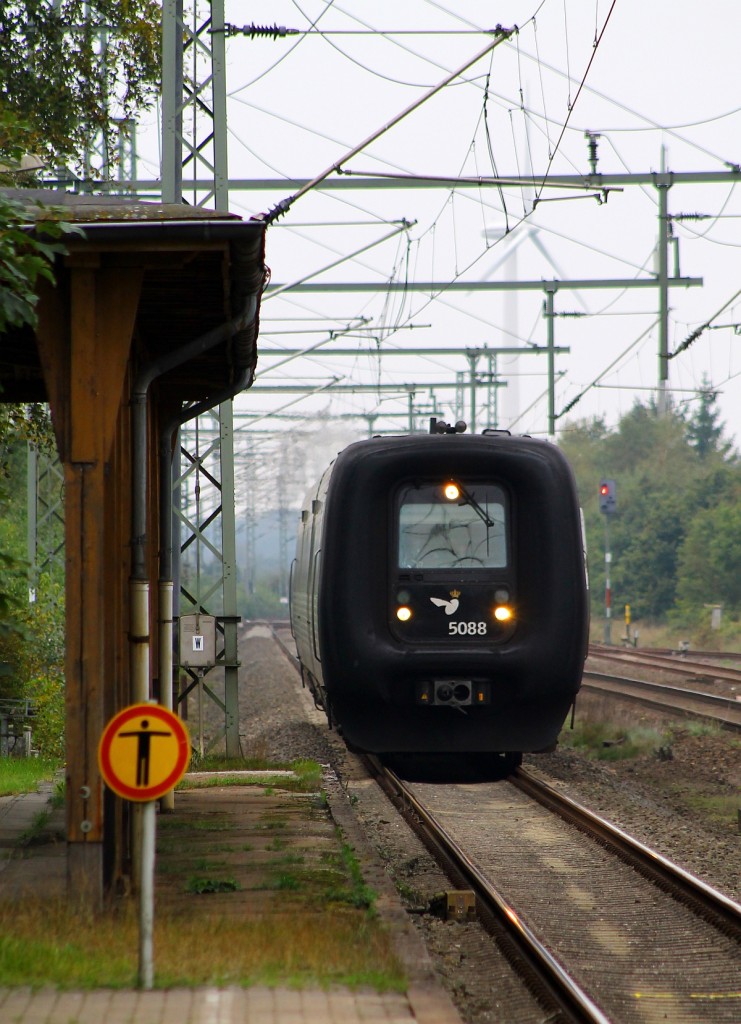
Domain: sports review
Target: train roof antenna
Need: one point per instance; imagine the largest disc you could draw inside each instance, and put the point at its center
(441, 427)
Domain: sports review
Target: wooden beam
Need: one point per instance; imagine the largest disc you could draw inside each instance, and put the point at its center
(85, 682)
(86, 359)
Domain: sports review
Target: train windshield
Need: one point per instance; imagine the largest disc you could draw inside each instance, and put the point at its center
(452, 526)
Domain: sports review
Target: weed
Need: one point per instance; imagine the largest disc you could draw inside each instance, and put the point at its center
(200, 885)
(211, 825)
(287, 882)
(411, 896)
(274, 824)
(35, 831)
(206, 864)
(357, 894)
(58, 795)
(290, 859)
(606, 740)
(723, 809)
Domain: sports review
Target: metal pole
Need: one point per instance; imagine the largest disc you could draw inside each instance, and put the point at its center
(663, 276)
(472, 360)
(229, 580)
(550, 292)
(172, 101)
(218, 66)
(32, 479)
(146, 896)
(608, 589)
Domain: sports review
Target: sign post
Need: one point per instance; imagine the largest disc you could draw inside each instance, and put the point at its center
(143, 753)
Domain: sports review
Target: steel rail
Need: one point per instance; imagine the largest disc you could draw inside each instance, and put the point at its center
(561, 986)
(670, 653)
(666, 663)
(723, 711)
(711, 904)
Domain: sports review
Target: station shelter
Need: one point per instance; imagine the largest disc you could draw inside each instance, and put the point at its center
(153, 318)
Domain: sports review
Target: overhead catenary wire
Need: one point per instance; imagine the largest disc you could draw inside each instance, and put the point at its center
(692, 338)
(283, 207)
(492, 319)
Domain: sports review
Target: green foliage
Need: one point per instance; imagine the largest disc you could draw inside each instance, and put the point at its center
(21, 423)
(704, 431)
(55, 74)
(263, 603)
(25, 258)
(357, 894)
(710, 559)
(31, 634)
(675, 539)
(47, 694)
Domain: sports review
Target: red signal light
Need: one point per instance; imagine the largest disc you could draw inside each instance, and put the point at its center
(607, 496)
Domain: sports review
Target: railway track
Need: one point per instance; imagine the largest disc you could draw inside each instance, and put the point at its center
(599, 928)
(606, 929)
(682, 666)
(724, 711)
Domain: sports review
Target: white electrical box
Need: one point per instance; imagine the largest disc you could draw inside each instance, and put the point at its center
(197, 641)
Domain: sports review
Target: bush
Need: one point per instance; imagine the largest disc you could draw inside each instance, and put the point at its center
(47, 694)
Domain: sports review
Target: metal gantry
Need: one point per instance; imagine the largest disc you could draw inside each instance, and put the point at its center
(45, 516)
(194, 151)
(194, 138)
(206, 544)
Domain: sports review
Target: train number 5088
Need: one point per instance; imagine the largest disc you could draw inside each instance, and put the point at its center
(466, 628)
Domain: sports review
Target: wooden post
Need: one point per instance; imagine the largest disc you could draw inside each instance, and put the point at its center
(85, 353)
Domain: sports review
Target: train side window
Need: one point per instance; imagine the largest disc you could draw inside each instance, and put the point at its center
(468, 530)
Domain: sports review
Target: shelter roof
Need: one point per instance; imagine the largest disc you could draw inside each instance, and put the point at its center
(198, 267)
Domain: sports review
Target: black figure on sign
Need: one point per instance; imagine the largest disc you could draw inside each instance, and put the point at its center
(144, 737)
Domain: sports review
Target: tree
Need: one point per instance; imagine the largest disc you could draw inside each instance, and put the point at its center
(704, 431)
(663, 483)
(74, 68)
(710, 559)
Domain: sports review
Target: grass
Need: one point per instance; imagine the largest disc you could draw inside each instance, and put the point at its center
(607, 740)
(721, 809)
(43, 945)
(23, 774)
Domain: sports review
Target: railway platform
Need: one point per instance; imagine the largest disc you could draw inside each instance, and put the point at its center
(41, 873)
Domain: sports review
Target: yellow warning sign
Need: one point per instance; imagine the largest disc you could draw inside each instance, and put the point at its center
(144, 752)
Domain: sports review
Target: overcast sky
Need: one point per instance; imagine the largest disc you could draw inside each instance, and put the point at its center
(663, 84)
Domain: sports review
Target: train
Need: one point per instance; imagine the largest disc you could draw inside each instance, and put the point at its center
(439, 595)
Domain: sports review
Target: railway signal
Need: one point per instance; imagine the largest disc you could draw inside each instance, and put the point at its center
(608, 506)
(607, 497)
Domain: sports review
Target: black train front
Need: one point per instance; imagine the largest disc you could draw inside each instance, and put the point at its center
(439, 593)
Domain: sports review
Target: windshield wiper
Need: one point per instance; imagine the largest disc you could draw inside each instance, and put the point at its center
(470, 500)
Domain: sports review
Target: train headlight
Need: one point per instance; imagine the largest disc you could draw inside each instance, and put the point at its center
(404, 613)
(452, 491)
(503, 613)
